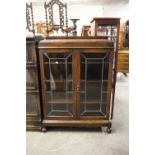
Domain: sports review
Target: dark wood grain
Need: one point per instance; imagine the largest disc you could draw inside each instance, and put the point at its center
(76, 47)
(33, 111)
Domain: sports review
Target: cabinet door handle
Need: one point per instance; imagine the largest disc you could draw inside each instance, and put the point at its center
(78, 88)
(74, 87)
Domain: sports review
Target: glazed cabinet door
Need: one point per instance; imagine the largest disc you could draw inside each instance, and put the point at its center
(57, 83)
(94, 83)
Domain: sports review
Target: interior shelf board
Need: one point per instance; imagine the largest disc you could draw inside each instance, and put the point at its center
(56, 63)
(63, 101)
(59, 81)
(88, 81)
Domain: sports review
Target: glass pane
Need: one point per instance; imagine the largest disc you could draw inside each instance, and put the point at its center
(58, 75)
(93, 86)
(31, 103)
(110, 31)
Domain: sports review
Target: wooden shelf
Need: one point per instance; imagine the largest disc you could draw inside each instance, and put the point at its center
(31, 64)
(49, 91)
(32, 91)
(88, 81)
(55, 63)
(71, 102)
(106, 35)
(59, 81)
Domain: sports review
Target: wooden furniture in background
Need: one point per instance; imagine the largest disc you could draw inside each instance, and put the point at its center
(123, 61)
(56, 17)
(107, 27)
(29, 18)
(85, 31)
(33, 115)
(76, 80)
(126, 33)
(41, 28)
(121, 36)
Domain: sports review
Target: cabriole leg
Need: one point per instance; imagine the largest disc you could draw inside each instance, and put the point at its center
(44, 129)
(108, 130)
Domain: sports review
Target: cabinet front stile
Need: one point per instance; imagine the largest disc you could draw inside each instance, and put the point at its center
(42, 82)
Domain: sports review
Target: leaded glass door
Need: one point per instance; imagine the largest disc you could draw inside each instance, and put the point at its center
(95, 82)
(58, 94)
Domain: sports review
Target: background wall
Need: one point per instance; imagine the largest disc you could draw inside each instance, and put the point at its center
(86, 12)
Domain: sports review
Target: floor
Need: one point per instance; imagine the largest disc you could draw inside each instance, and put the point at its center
(82, 141)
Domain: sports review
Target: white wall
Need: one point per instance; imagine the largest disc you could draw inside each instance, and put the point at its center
(39, 13)
(86, 13)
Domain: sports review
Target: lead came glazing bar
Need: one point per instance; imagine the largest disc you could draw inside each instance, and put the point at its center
(102, 83)
(85, 84)
(51, 84)
(66, 85)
